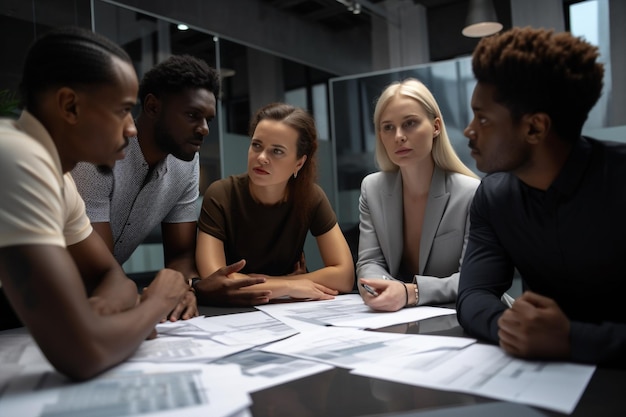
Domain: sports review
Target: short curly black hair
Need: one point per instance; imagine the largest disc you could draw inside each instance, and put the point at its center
(177, 73)
(538, 70)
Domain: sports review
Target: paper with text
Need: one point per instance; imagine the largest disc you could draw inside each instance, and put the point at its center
(261, 370)
(349, 348)
(182, 349)
(164, 390)
(348, 310)
(254, 328)
(487, 370)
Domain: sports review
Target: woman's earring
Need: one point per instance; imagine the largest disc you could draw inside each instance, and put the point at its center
(295, 174)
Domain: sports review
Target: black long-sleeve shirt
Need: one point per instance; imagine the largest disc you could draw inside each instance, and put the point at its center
(568, 243)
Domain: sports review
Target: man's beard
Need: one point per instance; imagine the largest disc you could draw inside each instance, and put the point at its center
(167, 144)
(104, 169)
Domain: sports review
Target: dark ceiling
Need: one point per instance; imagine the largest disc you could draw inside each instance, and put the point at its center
(445, 19)
(336, 15)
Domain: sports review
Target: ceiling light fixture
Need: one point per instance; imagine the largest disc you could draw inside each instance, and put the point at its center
(182, 26)
(481, 19)
(366, 6)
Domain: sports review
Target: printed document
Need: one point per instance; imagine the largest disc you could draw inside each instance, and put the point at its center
(261, 370)
(347, 310)
(349, 348)
(164, 390)
(252, 329)
(182, 349)
(487, 370)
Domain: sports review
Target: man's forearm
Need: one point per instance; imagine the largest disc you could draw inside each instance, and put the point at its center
(119, 291)
(186, 265)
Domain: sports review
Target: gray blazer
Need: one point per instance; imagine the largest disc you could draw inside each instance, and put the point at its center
(444, 233)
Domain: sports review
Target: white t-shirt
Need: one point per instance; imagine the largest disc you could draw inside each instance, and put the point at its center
(38, 203)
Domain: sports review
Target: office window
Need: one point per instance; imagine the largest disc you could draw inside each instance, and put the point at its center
(318, 106)
(320, 110)
(590, 20)
(21, 22)
(296, 97)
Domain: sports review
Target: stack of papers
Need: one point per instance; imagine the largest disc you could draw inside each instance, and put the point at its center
(210, 365)
(128, 390)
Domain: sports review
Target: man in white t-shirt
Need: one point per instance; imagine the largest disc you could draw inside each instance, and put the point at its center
(57, 275)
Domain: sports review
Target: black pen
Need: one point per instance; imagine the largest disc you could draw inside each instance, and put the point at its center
(369, 289)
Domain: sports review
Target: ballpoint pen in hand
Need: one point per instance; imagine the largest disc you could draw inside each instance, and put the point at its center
(369, 289)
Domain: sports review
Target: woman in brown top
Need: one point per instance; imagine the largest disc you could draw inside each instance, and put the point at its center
(263, 216)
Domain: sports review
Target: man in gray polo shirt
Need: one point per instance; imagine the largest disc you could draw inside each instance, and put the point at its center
(158, 180)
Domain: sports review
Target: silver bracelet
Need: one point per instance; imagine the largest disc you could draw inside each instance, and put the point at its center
(417, 291)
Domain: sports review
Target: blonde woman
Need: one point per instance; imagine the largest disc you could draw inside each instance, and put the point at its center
(414, 213)
(264, 215)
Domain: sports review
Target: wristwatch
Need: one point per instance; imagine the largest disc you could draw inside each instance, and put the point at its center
(193, 281)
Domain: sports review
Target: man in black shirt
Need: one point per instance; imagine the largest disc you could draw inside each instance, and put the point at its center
(553, 205)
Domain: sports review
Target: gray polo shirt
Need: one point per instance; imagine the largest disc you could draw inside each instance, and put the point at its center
(133, 204)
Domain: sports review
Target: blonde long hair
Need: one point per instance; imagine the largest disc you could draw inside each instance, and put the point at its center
(443, 153)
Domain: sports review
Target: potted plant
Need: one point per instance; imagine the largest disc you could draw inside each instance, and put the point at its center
(8, 104)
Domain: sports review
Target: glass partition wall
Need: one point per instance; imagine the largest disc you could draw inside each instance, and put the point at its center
(251, 77)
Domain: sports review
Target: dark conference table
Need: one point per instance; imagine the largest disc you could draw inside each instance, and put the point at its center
(338, 393)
